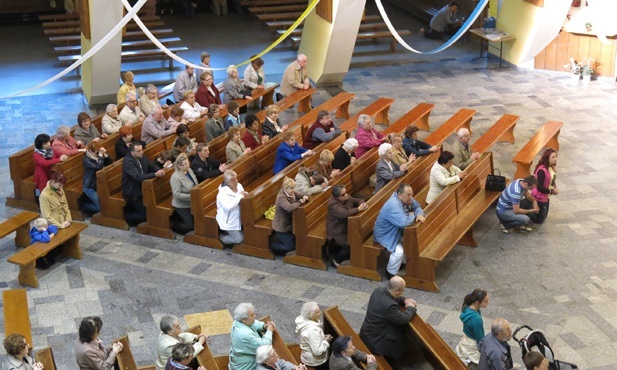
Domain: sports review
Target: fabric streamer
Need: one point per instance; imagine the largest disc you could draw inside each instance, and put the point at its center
(90, 53)
(474, 15)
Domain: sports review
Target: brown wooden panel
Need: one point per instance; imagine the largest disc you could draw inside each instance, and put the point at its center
(561, 50)
(551, 53)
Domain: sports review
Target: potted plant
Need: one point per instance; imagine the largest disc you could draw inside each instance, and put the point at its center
(574, 69)
(587, 70)
(588, 26)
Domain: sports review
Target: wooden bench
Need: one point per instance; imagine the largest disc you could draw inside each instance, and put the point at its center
(136, 54)
(205, 357)
(70, 23)
(364, 27)
(46, 357)
(126, 45)
(20, 224)
(16, 316)
(364, 254)
(58, 17)
(372, 35)
(279, 16)
(424, 344)
(284, 24)
(271, 2)
(125, 358)
(502, 130)
(335, 324)
(378, 110)
(339, 103)
(130, 35)
(546, 137)
(309, 223)
(68, 238)
(77, 30)
(279, 345)
(277, 8)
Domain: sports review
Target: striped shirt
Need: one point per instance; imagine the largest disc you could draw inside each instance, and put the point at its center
(512, 194)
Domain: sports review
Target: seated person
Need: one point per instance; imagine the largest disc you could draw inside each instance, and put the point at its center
(90, 353)
(234, 88)
(110, 122)
(41, 231)
(309, 182)
(176, 117)
(233, 116)
(341, 206)
(398, 153)
(288, 152)
(345, 155)
(246, 337)
(171, 334)
(128, 86)
(207, 93)
(86, 131)
(64, 144)
(54, 207)
(44, 159)
(131, 114)
(346, 357)
(155, 126)
(181, 145)
(163, 160)
(535, 361)
(252, 138)
(443, 173)
(235, 148)
(463, 153)
(314, 343)
(444, 21)
(182, 355)
(124, 141)
(267, 359)
(150, 100)
(95, 159)
(321, 131)
(272, 126)
(324, 166)
(386, 169)
(412, 145)
(282, 239)
(17, 357)
(214, 125)
(204, 166)
(182, 181)
(367, 136)
(228, 209)
(192, 110)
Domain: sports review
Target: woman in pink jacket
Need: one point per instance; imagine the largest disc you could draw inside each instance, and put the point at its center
(546, 175)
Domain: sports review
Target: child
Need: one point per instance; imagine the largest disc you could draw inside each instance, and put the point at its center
(43, 232)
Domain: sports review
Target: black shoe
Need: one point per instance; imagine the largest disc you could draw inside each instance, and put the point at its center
(169, 102)
(279, 96)
(389, 275)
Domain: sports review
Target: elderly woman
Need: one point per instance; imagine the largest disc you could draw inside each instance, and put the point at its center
(412, 145)
(128, 86)
(182, 181)
(182, 355)
(54, 207)
(324, 166)
(150, 100)
(282, 240)
(233, 87)
(90, 352)
(171, 334)
(233, 116)
(228, 208)
(235, 148)
(214, 124)
(443, 173)
(246, 337)
(546, 174)
(95, 159)
(272, 126)
(252, 138)
(288, 152)
(17, 354)
(110, 122)
(123, 142)
(345, 155)
(86, 131)
(207, 93)
(386, 169)
(254, 75)
(44, 159)
(192, 109)
(176, 117)
(313, 343)
(266, 358)
(367, 136)
(309, 182)
(346, 357)
(65, 144)
(398, 153)
(473, 326)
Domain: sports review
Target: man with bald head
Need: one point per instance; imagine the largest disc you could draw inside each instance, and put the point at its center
(295, 77)
(384, 327)
(463, 153)
(494, 348)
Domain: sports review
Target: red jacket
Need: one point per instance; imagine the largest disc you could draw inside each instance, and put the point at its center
(42, 170)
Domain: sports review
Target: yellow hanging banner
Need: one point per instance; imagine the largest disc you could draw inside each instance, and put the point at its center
(492, 8)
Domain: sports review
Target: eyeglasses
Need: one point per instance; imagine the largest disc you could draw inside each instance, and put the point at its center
(131, 101)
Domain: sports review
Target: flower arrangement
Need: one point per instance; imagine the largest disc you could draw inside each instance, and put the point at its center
(588, 26)
(573, 67)
(589, 68)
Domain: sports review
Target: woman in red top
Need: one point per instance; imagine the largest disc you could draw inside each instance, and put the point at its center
(207, 93)
(44, 159)
(65, 144)
(252, 137)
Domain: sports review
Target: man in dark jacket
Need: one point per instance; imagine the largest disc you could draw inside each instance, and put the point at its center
(135, 169)
(384, 327)
(494, 348)
(341, 206)
(204, 166)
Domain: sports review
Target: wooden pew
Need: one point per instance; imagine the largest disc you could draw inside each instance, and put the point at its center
(205, 357)
(129, 35)
(364, 254)
(279, 345)
(125, 358)
(370, 35)
(16, 316)
(131, 26)
(364, 27)
(46, 357)
(279, 16)
(271, 2)
(423, 343)
(277, 8)
(336, 325)
(502, 130)
(70, 23)
(126, 45)
(284, 24)
(135, 54)
(546, 137)
(377, 109)
(20, 224)
(67, 238)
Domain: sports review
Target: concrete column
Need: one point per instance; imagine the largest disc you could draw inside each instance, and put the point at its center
(329, 46)
(100, 75)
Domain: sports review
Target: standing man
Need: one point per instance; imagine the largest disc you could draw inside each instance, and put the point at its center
(204, 166)
(400, 211)
(322, 130)
(185, 81)
(383, 330)
(463, 154)
(341, 206)
(494, 348)
(205, 62)
(295, 77)
(135, 169)
(444, 21)
(510, 214)
(155, 126)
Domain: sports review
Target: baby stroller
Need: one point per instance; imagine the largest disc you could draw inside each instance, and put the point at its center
(536, 341)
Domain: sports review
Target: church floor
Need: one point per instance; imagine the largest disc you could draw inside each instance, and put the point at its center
(560, 278)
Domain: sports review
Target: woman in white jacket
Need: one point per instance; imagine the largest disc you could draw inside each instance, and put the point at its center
(228, 208)
(313, 343)
(443, 173)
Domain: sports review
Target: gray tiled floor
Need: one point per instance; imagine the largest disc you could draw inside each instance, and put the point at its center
(560, 278)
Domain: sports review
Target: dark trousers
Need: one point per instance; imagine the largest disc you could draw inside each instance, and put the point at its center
(338, 252)
(324, 366)
(282, 243)
(134, 211)
(536, 218)
(182, 220)
(433, 34)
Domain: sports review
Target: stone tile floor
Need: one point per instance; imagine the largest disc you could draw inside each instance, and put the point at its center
(561, 278)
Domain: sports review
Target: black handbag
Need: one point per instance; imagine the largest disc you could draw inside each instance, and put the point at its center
(495, 182)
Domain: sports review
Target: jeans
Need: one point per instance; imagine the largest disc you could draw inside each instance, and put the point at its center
(282, 243)
(539, 217)
(91, 202)
(511, 220)
(232, 237)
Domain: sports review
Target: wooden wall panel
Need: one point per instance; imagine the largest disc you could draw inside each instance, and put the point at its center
(551, 53)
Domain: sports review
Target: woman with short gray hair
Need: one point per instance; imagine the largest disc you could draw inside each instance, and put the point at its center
(313, 343)
(181, 357)
(65, 144)
(110, 122)
(386, 170)
(171, 334)
(345, 155)
(267, 359)
(228, 208)
(233, 87)
(245, 337)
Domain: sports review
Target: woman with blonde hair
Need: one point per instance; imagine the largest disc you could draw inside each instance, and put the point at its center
(398, 152)
(324, 165)
(182, 181)
(235, 148)
(192, 109)
(282, 240)
(128, 86)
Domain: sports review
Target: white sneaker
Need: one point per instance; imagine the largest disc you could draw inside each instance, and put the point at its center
(524, 228)
(503, 229)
